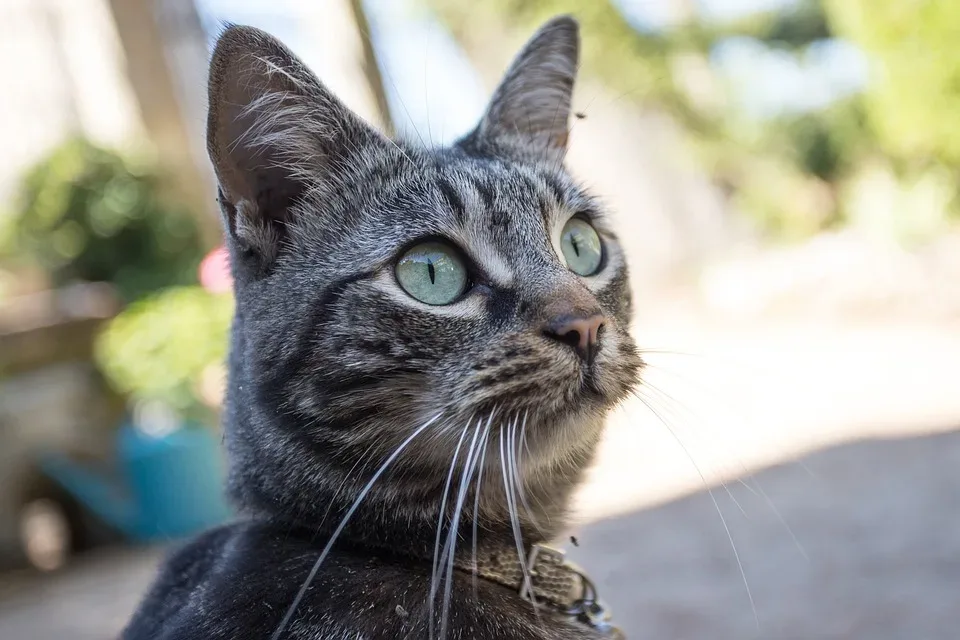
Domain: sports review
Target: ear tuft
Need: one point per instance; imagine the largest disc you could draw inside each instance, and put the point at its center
(531, 106)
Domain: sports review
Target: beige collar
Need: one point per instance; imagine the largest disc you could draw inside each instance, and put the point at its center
(548, 580)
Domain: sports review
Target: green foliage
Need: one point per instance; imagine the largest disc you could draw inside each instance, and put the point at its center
(159, 347)
(634, 63)
(791, 174)
(914, 97)
(826, 144)
(85, 213)
(793, 28)
(795, 153)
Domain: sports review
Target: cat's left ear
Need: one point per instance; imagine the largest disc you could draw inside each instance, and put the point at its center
(530, 109)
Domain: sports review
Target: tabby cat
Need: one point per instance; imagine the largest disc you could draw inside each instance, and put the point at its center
(425, 346)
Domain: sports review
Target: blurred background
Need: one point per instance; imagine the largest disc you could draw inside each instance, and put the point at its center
(786, 177)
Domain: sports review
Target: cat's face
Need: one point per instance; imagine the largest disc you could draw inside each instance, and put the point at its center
(381, 286)
(496, 331)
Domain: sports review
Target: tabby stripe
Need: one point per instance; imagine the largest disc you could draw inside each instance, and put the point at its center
(485, 192)
(284, 369)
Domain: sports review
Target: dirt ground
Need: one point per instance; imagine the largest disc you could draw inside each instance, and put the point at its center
(804, 484)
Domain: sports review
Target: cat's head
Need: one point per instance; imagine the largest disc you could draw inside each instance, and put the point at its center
(382, 285)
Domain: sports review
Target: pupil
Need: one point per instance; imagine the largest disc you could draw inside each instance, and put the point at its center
(431, 271)
(573, 243)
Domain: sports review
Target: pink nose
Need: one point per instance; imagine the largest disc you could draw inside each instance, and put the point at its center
(581, 333)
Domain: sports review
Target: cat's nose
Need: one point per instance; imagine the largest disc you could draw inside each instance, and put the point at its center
(582, 332)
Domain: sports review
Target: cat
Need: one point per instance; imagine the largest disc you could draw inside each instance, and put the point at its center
(425, 346)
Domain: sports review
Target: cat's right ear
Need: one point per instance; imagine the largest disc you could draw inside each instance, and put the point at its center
(273, 131)
(530, 109)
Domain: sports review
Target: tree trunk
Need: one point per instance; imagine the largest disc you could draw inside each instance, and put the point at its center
(165, 51)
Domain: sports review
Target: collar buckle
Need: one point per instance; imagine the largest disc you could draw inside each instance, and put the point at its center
(546, 564)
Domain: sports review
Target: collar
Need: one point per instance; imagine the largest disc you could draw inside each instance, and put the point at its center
(549, 581)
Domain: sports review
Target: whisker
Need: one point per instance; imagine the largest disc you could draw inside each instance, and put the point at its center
(517, 458)
(712, 359)
(426, 92)
(336, 494)
(343, 523)
(455, 525)
(367, 34)
(752, 484)
(514, 523)
(441, 511)
(783, 521)
(476, 500)
(515, 474)
(726, 405)
(716, 505)
(686, 450)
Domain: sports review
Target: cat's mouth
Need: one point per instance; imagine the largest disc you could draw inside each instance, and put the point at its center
(547, 380)
(595, 386)
(589, 385)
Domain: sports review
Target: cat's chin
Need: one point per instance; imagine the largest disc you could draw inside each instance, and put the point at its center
(576, 424)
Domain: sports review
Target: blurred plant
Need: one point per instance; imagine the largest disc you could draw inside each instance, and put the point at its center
(788, 172)
(914, 96)
(86, 213)
(669, 68)
(877, 198)
(164, 346)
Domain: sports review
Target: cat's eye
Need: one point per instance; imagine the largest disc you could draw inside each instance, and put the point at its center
(433, 273)
(581, 247)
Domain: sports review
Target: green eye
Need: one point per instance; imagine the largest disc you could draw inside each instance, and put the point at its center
(432, 273)
(581, 247)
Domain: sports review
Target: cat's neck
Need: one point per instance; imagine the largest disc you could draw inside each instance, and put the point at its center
(402, 512)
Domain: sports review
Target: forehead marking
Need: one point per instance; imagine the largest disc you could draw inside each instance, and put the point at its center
(476, 239)
(485, 192)
(449, 192)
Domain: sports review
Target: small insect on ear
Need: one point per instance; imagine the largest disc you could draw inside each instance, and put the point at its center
(273, 130)
(530, 109)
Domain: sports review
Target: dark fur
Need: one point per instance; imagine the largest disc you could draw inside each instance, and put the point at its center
(333, 366)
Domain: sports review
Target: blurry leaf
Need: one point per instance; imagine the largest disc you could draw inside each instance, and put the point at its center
(86, 213)
(636, 64)
(161, 347)
(914, 97)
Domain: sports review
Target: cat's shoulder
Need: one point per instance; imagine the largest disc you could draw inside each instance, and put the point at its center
(185, 570)
(237, 581)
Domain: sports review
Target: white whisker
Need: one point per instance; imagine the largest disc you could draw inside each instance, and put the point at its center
(455, 525)
(514, 523)
(716, 505)
(516, 453)
(476, 499)
(442, 510)
(666, 407)
(343, 523)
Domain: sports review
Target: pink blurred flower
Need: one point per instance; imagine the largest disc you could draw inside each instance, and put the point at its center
(214, 271)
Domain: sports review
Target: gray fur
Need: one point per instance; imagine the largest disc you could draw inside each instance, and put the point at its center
(333, 365)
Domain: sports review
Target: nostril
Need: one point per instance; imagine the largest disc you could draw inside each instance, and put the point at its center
(580, 333)
(570, 337)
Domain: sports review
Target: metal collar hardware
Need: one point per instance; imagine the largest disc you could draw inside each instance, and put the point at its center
(551, 582)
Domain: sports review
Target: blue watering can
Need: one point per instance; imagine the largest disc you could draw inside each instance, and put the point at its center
(168, 483)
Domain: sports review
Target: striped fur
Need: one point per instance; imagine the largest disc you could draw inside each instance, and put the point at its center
(333, 365)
